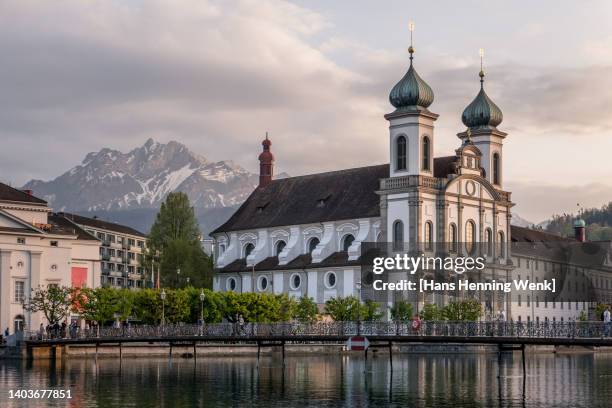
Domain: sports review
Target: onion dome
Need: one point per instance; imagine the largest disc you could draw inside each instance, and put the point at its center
(482, 112)
(579, 223)
(411, 92)
(266, 154)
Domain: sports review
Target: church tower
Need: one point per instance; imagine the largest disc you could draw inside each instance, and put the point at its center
(481, 117)
(411, 124)
(266, 163)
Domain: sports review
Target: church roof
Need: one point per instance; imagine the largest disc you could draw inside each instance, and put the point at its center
(332, 196)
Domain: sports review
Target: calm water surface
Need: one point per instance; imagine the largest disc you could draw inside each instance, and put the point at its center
(576, 380)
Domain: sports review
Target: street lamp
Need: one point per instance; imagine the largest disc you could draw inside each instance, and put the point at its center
(358, 285)
(202, 297)
(163, 298)
(178, 277)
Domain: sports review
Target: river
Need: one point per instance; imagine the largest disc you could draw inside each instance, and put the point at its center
(460, 380)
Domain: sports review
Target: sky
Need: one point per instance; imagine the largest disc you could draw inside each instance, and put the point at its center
(78, 76)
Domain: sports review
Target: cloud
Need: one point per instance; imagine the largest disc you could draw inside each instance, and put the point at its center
(215, 75)
(538, 202)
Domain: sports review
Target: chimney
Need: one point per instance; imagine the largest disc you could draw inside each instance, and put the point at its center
(28, 192)
(266, 163)
(580, 230)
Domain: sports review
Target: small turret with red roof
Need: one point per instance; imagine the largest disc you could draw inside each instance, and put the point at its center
(266, 163)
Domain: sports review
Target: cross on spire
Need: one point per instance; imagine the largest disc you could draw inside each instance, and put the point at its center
(411, 48)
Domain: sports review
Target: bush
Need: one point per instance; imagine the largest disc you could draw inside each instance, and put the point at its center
(466, 310)
(401, 311)
(431, 312)
(306, 310)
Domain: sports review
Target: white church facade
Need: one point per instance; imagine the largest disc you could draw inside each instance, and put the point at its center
(303, 235)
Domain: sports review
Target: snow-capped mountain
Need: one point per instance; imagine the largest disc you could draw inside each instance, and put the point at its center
(110, 180)
(520, 221)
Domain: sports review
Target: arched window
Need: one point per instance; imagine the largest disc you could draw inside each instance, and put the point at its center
(401, 153)
(426, 153)
(248, 248)
(347, 241)
(398, 235)
(312, 244)
(428, 235)
(452, 237)
(470, 236)
(489, 241)
(495, 168)
(502, 244)
(280, 245)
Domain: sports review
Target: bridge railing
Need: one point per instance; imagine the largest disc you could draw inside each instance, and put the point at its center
(342, 329)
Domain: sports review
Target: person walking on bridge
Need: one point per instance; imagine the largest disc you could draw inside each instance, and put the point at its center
(607, 323)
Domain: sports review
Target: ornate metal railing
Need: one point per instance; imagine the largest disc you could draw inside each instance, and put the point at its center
(545, 330)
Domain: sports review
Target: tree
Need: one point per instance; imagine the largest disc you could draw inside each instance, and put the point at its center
(343, 309)
(54, 301)
(306, 310)
(466, 310)
(176, 236)
(370, 311)
(431, 312)
(99, 304)
(401, 311)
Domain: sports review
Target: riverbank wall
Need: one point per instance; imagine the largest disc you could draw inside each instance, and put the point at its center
(144, 350)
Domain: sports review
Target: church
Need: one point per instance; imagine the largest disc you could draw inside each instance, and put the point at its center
(303, 235)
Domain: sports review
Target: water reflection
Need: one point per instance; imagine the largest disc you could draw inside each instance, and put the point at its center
(416, 380)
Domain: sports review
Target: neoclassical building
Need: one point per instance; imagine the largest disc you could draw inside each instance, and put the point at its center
(303, 235)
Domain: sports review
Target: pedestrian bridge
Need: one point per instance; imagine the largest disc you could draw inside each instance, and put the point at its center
(500, 333)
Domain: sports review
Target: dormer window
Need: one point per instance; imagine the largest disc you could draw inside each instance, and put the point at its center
(248, 248)
(322, 201)
(262, 207)
(312, 244)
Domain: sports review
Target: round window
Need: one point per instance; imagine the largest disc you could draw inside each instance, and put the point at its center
(296, 281)
(231, 284)
(330, 279)
(263, 283)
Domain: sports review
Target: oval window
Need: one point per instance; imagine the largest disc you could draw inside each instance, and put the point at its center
(231, 284)
(330, 279)
(296, 281)
(263, 283)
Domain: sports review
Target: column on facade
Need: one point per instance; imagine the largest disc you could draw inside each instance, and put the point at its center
(5, 288)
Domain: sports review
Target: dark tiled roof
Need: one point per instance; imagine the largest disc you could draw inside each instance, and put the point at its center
(443, 166)
(63, 226)
(101, 224)
(521, 234)
(19, 230)
(8, 193)
(337, 195)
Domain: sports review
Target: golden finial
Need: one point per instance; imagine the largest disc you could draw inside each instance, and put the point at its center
(481, 74)
(411, 48)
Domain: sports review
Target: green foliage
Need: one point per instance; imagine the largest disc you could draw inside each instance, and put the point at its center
(343, 309)
(54, 301)
(258, 307)
(401, 311)
(148, 306)
(175, 236)
(349, 309)
(99, 304)
(370, 311)
(599, 309)
(306, 310)
(431, 312)
(174, 221)
(599, 223)
(466, 310)
(583, 316)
